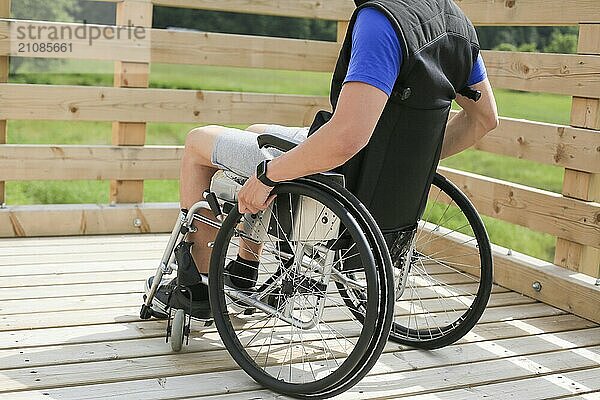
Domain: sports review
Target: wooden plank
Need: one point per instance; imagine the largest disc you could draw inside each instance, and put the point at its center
(177, 47)
(15, 322)
(573, 253)
(533, 208)
(86, 219)
(581, 185)
(342, 29)
(80, 240)
(161, 388)
(531, 388)
(585, 113)
(110, 332)
(155, 346)
(115, 247)
(530, 12)
(4, 70)
(575, 293)
(547, 143)
(144, 347)
(73, 103)
(100, 42)
(551, 144)
(132, 297)
(481, 12)
(71, 290)
(589, 34)
(439, 379)
(205, 48)
(560, 287)
(574, 75)
(403, 381)
(536, 388)
(75, 278)
(35, 162)
(130, 75)
(61, 304)
(331, 9)
(28, 260)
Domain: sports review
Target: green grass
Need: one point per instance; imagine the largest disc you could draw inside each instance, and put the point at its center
(533, 106)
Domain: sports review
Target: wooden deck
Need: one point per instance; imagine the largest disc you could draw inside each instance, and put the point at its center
(69, 329)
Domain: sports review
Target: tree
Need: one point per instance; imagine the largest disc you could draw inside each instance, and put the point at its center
(41, 10)
(528, 47)
(239, 23)
(95, 12)
(562, 43)
(506, 47)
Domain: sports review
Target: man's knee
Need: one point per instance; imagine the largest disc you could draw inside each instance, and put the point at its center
(257, 128)
(200, 141)
(203, 135)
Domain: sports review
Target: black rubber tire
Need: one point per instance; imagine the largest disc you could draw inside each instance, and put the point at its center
(369, 345)
(177, 330)
(446, 335)
(384, 269)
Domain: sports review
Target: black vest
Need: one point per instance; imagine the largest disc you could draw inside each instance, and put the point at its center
(392, 174)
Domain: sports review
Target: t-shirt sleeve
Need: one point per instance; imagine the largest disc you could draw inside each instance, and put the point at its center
(376, 54)
(478, 73)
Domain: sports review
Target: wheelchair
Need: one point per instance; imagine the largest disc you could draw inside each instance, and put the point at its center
(331, 287)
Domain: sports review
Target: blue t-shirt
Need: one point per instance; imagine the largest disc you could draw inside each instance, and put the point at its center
(377, 53)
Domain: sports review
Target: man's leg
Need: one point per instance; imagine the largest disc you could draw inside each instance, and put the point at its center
(197, 170)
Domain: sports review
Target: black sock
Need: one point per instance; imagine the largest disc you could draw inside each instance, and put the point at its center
(243, 273)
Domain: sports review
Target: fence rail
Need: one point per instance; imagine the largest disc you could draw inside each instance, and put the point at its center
(573, 217)
(481, 12)
(569, 74)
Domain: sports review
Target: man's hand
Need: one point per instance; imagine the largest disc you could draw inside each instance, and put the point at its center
(254, 196)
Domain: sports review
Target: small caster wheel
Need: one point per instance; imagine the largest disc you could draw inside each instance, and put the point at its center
(177, 330)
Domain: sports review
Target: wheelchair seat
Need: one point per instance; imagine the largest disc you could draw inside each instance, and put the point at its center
(226, 185)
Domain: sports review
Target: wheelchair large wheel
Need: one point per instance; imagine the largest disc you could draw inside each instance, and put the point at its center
(293, 332)
(450, 272)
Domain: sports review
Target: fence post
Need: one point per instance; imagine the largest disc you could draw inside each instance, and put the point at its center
(4, 69)
(130, 75)
(342, 27)
(577, 184)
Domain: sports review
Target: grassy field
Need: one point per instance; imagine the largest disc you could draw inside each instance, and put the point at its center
(538, 107)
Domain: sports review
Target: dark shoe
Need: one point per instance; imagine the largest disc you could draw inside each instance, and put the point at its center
(169, 295)
(158, 306)
(241, 274)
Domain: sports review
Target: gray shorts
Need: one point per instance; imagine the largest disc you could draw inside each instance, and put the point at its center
(237, 150)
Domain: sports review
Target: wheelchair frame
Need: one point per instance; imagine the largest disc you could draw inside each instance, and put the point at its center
(391, 292)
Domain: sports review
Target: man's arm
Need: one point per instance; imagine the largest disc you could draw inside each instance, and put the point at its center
(359, 107)
(473, 122)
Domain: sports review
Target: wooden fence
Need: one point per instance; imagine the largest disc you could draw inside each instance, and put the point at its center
(573, 217)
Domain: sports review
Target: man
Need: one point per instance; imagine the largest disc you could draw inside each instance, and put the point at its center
(401, 65)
